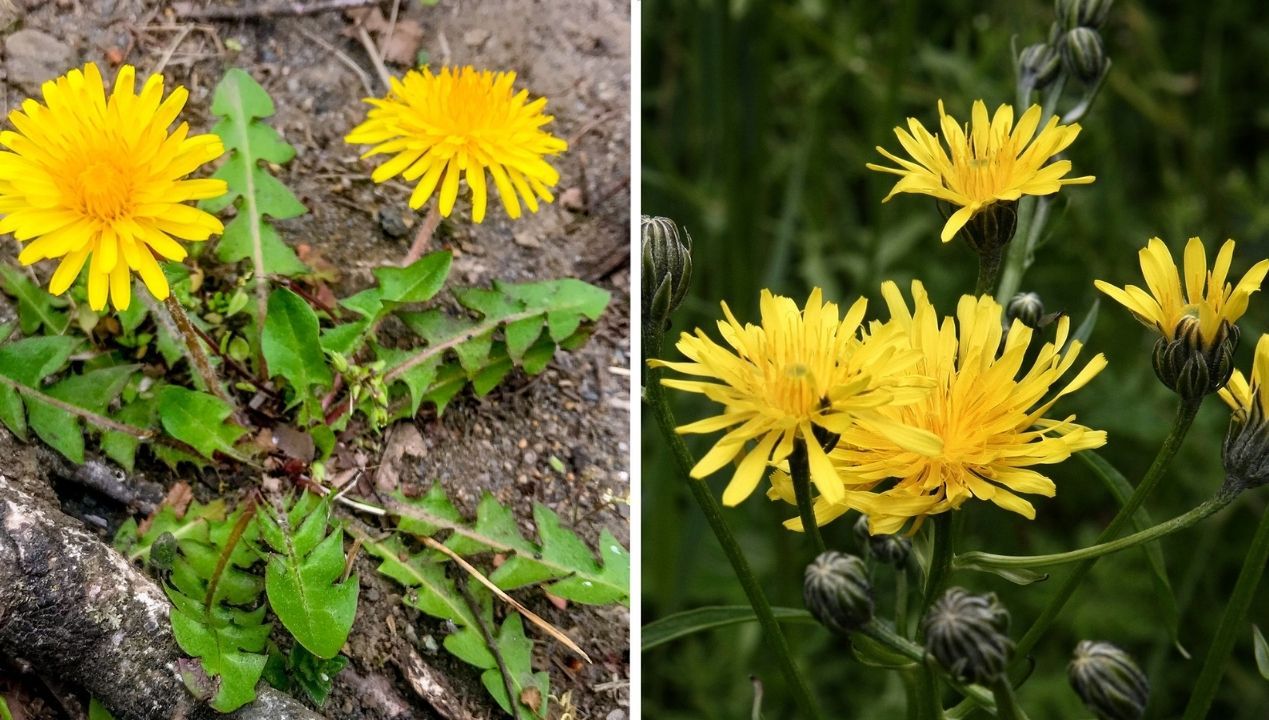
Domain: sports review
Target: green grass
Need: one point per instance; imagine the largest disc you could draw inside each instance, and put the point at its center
(758, 119)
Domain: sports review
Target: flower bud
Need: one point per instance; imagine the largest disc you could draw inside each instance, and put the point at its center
(1191, 367)
(1084, 55)
(837, 591)
(966, 634)
(1108, 681)
(1038, 65)
(1082, 13)
(1245, 452)
(667, 272)
(1027, 308)
(889, 549)
(989, 229)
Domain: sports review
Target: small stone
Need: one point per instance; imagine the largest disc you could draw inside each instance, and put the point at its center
(393, 223)
(33, 57)
(476, 37)
(527, 239)
(571, 199)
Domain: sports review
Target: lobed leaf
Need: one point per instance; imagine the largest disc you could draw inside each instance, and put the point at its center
(290, 343)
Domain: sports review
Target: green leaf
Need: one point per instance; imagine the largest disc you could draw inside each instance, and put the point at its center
(290, 342)
(302, 579)
(241, 102)
(36, 307)
(417, 282)
(27, 362)
(198, 420)
(689, 622)
(97, 711)
(1262, 651)
(1122, 490)
(314, 675)
(93, 391)
(122, 447)
(517, 654)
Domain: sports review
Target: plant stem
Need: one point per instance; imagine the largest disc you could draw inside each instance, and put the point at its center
(1006, 703)
(1208, 508)
(988, 270)
(887, 637)
(197, 356)
(1232, 623)
(1180, 426)
(901, 600)
(776, 642)
(800, 471)
(100, 421)
(940, 558)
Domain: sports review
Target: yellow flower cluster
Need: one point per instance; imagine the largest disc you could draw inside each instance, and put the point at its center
(928, 411)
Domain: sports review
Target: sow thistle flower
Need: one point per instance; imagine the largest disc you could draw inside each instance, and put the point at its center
(439, 129)
(779, 381)
(1194, 356)
(985, 419)
(1246, 449)
(99, 181)
(987, 162)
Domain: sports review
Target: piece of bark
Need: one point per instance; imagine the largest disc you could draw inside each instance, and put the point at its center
(75, 609)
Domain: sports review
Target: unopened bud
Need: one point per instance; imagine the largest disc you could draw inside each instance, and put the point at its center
(837, 591)
(667, 271)
(989, 229)
(1245, 452)
(1026, 308)
(1082, 13)
(1108, 681)
(966, 634)
(1038, 65)
(1083, 54)
(1192, 367)
(889, 549)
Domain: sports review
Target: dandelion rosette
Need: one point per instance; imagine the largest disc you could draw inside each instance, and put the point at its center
(989, 161)
(799, 370)
(440, 128)
(1198, 322)
(99, 181)
(983, 421)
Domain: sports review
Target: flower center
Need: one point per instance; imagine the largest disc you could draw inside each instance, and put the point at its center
(103, 191)
(793, 391)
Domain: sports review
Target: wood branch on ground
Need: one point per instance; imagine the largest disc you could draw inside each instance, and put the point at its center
(75, 609)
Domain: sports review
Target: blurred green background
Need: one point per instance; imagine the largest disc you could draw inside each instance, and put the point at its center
(757, 121)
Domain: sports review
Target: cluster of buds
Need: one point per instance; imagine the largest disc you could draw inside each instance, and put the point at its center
(889, 549)
(967, 635)
(837, 592)
(1192, 367)
(1083, 52)
(667, 273)
(1108, 681)
(365, 381)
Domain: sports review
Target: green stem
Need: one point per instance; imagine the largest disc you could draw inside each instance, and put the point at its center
(1006, 703)
(905, 647)
(980, 560)
(800, 471)
(929, 705)
(1180, 426)
(777, 644)
(901, 600)
(988, 270)
(940, 558)
(1232, 623)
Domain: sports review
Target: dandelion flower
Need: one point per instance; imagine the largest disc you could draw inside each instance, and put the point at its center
(99, 181)
(1207, 296)
(987, 409)
(780, 380)
(442, 128)
(988, 161)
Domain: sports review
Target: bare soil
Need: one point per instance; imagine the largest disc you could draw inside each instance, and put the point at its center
(560, 438)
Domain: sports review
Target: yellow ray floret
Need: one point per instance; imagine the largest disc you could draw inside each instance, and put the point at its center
(987, 409)
(99, 181)
(988, 161)
(439, 129)
(1250, 399)
(1207, 295)
(779, 380)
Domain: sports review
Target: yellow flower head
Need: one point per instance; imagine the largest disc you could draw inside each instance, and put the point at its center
(779, 380)
(1250, 400)
(100, 180)
(985, 418)
(1207, 297)
(440, 128)
(989, 161)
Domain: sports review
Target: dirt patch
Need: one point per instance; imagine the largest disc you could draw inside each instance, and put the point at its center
(558, 439)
